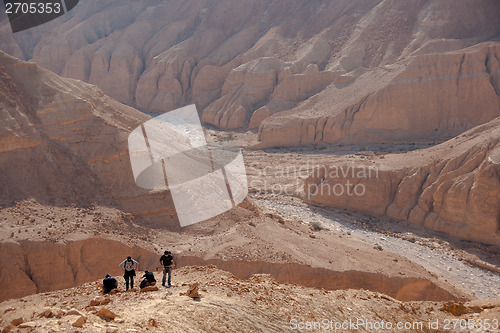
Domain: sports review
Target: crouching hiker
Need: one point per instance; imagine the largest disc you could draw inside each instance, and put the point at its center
(129, 266)
(149, 280)
(167, 260)
(108, 284)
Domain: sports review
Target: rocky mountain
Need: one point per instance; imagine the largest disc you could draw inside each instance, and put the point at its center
(434, 97)
(296, 73)
(453, 187)
(343, 71)
(63, 142)
(68, 193)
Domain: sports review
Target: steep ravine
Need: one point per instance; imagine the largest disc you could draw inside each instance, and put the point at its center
(33, 267)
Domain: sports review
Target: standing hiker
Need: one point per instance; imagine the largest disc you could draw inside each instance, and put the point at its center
(129, 266)
(167, 260)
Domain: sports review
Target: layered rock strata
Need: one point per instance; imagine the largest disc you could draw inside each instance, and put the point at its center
(63, 142)
(452, 188)
(242, 62)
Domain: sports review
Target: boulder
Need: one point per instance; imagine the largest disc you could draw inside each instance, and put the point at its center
(100, 300)
(106, 314)
(75, 312)
(51, 313)
(79, 322)
(28, 324)
(193, 291)
(17, 321)
(149, 288)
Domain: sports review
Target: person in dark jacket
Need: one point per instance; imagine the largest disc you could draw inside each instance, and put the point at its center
(108, 284)
(167, 260)
(149, 279)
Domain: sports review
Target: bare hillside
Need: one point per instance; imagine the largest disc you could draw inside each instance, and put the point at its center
(228, 304)
(453, 187)
(344, 71)
(63, 142)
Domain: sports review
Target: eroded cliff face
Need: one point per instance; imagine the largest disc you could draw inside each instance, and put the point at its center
(436, 96)
(452, 188)
(242, 62)
(33, 267)
(64, 142)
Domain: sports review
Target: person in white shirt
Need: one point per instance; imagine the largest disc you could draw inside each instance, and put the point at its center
(129, 266)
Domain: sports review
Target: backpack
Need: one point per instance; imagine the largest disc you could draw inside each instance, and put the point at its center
(129, 265)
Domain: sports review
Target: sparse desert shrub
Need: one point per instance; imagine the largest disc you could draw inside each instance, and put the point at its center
(316, 226)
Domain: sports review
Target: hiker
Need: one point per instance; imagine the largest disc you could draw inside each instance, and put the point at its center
(129, 271)
(149, 279)
(168, 262)
(108, 284)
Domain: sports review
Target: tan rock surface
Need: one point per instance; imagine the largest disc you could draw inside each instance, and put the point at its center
(453, 187)
(79, 322)
(149, 289)
(74, 312)
(245, 87)
(259, 303)
(240, 241)
(258, 116)
(64, 142)
(106, 314)
(62, 266)
(17, 321)
(29, 324)
(435, 97)
(158, 57)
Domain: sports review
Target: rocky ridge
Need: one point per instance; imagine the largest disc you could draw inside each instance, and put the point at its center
(80, 245)
(226, 303)
(435, 97)
(63, 142)
(451, 188)
(336, 70)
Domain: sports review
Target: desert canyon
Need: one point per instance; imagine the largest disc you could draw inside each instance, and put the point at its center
(370, 131)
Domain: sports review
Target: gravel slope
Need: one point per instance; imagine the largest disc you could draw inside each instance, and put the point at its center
(434, 254)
